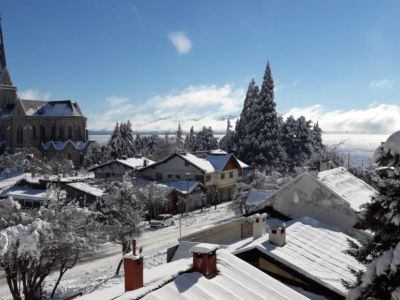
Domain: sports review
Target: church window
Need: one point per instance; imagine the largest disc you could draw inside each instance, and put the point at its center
(53, 132)
(20, 137)
(34, 133)
(70, 132)
(61, 133)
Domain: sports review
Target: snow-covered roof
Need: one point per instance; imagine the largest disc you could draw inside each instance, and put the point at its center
(242, 164)
(257, 196)
(218, 151)
(218, 161)
(136, 162)
(59, 145)
(200, 163)
(10, 181)
(182, 186)
(51, 108)
(313, 249)
(352, 189)
(235, 280)
(84, 187)
(25, 193)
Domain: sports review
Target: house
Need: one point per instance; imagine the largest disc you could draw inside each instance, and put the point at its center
(117, 168)
(334, 197)
(218, 172)
(302, 253)
(29, 194)
(210, 273)
(36, 123)
(190, 194)
(83, 192)
(305, 253)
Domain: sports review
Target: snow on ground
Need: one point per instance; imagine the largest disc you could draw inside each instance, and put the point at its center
(99, 272)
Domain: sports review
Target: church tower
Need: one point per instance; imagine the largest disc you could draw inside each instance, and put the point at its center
(8, 92)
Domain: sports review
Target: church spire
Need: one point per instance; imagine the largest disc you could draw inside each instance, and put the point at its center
(2, 52)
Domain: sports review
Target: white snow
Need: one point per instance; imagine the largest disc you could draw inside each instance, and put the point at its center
(182, 186)
(204, 248)
(315, 250)
(25, 193)
(84, 187)
(350, 188)
(236, 279)
(257, 196)
(201, 163)
(136, 162)
(59, 145)
(392, 145)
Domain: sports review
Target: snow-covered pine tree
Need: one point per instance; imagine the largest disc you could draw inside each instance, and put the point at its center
(241, 129)
(205, 140)
(305, 139)
(190, 140)
(93, 155)
(317, 138)
(121, 143)
(289, 141)
(227, 143)
(263, 147)
(179, 138)
(381, 254)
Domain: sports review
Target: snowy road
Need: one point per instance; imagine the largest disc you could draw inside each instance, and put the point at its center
(99, 272)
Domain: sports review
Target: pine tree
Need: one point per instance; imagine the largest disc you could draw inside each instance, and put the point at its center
(227, 143)
(241, 129)
(205, 140)
(381, 254)
(263, 147)
(289, 143)
(121, 143)
(190, 140)
(317, 138)
(179, 138)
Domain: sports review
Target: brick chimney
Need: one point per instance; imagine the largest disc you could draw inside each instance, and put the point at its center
(205, 259)
(133, 266)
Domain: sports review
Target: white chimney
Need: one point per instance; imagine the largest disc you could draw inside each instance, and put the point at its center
(314, 172)
(259, 225)
(277, 235)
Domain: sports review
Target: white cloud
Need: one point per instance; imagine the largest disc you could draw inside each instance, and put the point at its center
(181, 42)
(32, 94)
(205, 105)
(374, 118)
(383, 83)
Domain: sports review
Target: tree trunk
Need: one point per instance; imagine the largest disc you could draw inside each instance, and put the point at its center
(63, 269)
(126, 247)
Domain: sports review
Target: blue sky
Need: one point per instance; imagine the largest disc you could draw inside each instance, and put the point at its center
(160, 62)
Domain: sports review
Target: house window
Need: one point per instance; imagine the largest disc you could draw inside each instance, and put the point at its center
(231, 174)
(178, 176)
(159, 176)
(169, 175)
(186, 163)
(222, 175)
(208, 178)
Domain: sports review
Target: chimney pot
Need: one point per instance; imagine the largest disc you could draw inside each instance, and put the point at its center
(133, 266)
(277, 235)
(205, 259)
(259, 225)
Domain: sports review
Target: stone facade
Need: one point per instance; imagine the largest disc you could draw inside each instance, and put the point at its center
(56, 128)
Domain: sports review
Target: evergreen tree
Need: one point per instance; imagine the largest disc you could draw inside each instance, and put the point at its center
(381, 254)
(179, 138)
(190, 140)
(121, 143)
(205, 140)
(289, 141)
(241, 129)
(227, 143)
(317, 138)
(262, 142)
(304, 137)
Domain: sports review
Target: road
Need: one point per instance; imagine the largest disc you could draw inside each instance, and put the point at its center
(98, 271)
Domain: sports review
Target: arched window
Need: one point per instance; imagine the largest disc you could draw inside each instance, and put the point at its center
(53, 132)
(78, 134)
(61, 133)
(34, 133)
(20, 136)
(70, 132)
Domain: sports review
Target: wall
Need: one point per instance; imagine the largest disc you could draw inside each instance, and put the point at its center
(113, 169)
(306, 197)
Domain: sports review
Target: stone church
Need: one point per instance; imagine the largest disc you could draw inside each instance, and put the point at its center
(55, 128)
